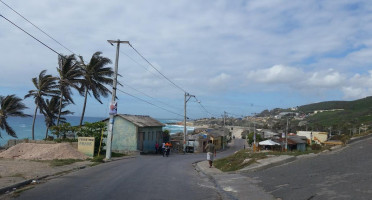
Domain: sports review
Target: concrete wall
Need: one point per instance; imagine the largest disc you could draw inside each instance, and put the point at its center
(124, 136)
(318, 137)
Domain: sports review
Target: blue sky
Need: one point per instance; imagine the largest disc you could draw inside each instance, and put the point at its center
(235, 56)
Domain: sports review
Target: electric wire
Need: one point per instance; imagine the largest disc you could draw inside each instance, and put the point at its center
(148, 95)
(204, 107)
(139, 64)
(36, 27)
(156, 69)
(31, 36)
(149, 102)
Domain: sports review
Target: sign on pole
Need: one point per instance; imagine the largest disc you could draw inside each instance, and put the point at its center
(113, 108)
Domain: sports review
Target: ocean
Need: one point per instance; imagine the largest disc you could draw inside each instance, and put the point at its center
(23, 126)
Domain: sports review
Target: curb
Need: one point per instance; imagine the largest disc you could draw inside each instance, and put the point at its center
(266, 166)
(358, 139)
(118, 158)
(18, 185)
(219, 189)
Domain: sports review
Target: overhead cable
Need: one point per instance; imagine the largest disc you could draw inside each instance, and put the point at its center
(156, 68)
(31, 36)
(36, 27)
(149, 103)
(140, 64)
(147, 95)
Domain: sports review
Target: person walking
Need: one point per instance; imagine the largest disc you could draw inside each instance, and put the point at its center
(163, 148)
(156, 148)
(211, 152)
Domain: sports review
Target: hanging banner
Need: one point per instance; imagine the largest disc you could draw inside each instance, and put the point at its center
(113, 108)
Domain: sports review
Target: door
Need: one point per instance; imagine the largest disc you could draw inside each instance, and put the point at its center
(141, 135)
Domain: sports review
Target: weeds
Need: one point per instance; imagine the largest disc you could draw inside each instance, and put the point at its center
(57, 162)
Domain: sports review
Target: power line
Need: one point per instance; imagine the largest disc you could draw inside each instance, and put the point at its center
(204, 108)
(156, 69)
(148, 95)
(140, 64)
(36, 27)
(149, 102)
(32, 36)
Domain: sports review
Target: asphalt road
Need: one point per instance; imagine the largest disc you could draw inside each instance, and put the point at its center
(144, 177)
(345, 174)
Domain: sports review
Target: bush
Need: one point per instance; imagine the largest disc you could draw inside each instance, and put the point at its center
(93, 130)
(316, 147)
(250, 138)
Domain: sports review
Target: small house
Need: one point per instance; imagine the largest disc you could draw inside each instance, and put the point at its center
(136, 133)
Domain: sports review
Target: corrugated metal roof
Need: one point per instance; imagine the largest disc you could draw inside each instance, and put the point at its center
(141, 120)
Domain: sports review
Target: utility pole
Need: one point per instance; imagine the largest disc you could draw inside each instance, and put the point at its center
(254, 133)
(286, 137)
(187, 98)
(224, 118)
(113, 106)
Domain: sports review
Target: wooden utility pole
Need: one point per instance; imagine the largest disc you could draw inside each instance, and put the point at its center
(187, 98)
(113, 105)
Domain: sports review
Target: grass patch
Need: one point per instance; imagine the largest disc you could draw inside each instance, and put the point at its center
(117, 155)
(98, 159)
(236, 161)
(17, 175)
(57, 162)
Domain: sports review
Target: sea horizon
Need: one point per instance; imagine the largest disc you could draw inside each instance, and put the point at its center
(23, 126)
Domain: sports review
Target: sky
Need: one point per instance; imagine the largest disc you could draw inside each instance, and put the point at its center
(236, 56)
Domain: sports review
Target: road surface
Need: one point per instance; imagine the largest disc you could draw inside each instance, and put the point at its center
(144, 177)
(346, 174)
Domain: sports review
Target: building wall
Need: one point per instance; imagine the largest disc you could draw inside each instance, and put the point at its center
(318, 137)
(124, 136)
(151, 135)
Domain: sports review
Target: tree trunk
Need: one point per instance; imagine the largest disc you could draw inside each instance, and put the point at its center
(46, 133)
(60, 107)
(33, 123)
(85, 103)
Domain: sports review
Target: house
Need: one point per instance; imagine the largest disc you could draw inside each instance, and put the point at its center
(136, 133)
(318, 137)
(294, 142)
(267, 134)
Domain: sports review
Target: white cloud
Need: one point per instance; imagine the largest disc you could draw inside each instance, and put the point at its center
(219, 79)
(276, 74)
(200, 46)
(327, 79)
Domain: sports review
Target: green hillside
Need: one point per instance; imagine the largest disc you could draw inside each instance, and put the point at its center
(355, 112)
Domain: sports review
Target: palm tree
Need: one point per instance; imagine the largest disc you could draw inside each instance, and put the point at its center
(69, 74)
(45, 86)
(10, 106)
(96, 76)
(51, 113)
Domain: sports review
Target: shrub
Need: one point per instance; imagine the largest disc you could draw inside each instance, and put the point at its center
(93, 130)
(316, 147)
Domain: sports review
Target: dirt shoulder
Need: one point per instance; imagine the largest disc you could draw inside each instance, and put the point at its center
(13, 171)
